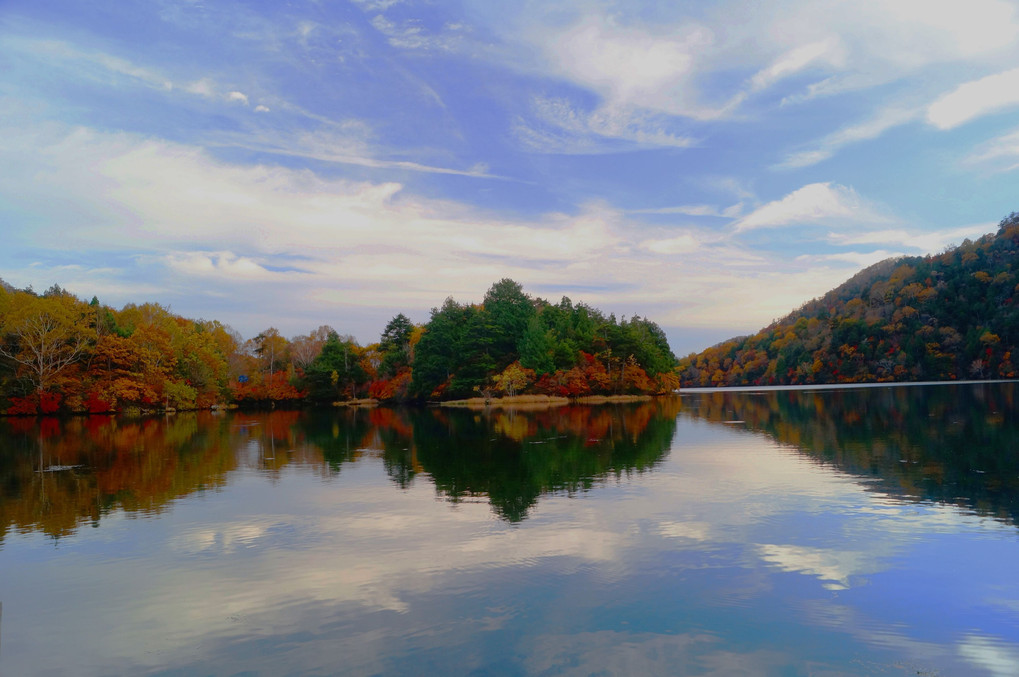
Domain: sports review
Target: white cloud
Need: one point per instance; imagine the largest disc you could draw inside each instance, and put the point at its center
(261, 109)
(632, 66)
(665, 60)
(975, 99)
(969, 29)
(219, 264)
(813, 204)
(238, 96)
(885, 40)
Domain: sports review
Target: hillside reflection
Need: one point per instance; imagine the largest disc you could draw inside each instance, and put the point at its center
(955, 444)
(56, 476)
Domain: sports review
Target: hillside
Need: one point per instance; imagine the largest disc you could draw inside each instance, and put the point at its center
(950, 316)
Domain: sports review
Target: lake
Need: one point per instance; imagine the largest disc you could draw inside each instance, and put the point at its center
(784, 532)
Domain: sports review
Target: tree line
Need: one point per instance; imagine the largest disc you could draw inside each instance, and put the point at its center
(949, 316)
(59, 353)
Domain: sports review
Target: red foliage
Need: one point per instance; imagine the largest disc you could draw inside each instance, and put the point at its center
(549, 384)
(96, 404)
(23, 406)
(49, 403)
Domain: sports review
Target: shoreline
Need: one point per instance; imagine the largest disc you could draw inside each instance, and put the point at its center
(538, 401)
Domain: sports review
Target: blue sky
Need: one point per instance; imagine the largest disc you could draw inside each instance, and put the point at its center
(709, 165)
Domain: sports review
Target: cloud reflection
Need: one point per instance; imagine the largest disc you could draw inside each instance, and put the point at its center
(734, 555)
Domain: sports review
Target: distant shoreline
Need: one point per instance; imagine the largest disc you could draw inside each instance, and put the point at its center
(842, 386)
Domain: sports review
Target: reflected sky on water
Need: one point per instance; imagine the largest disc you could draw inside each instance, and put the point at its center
(709, 534)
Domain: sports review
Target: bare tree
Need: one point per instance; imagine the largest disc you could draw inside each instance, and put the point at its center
(45, 344)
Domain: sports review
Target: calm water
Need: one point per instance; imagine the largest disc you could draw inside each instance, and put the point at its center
(860, 532)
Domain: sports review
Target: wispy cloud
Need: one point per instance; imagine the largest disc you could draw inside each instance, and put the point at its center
(376, 5)
(87, 63)
(927, 242)
(557, 126)
(101, 66)
(864, 131)
(672, 244)
(412, 35)
(339, 149)
(829, 51)
(856, 259)
(1001, 151)
(693, 210)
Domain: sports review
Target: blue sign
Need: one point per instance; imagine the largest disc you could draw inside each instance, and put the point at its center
(242, 378)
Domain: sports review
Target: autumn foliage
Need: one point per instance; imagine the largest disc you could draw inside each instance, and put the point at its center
(945, 317)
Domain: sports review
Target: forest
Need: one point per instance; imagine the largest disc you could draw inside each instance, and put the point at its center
(950, 316)
(61, 354)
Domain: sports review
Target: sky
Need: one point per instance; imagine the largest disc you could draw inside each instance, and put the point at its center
(711, 166)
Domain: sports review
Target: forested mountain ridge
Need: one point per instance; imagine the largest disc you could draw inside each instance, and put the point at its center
(61, 354)
(949, 316)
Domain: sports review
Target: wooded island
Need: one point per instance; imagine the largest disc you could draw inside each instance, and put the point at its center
(59, 354)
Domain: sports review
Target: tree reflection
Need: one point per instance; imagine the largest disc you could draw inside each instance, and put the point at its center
(514, 457)
(949, 443)
(56, 475)
(59, 474)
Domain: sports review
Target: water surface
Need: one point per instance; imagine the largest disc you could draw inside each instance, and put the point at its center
(850, 532)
